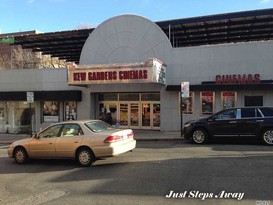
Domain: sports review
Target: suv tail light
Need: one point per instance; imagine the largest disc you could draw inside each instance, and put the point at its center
(111, 139)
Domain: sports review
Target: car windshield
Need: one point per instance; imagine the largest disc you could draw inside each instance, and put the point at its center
(98, 126)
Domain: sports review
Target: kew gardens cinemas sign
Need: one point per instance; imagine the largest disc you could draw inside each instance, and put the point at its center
(151, 71)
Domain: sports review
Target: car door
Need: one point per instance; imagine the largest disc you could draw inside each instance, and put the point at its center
(68, 141)
(43, 146)
(248, 122)
(224, 123)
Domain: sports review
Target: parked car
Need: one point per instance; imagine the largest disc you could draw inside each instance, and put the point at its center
(234, 122)
(84, 141)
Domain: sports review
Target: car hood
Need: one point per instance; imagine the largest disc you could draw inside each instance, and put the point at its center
(22, 142)
(198, 120)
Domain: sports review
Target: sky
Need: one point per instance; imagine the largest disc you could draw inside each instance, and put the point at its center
(63, 15)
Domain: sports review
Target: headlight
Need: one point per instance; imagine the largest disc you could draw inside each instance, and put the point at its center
(187, 125)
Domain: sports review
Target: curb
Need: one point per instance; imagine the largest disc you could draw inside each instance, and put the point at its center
(138, 140)
(160, 139)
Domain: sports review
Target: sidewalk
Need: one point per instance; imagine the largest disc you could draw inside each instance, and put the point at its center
(153, 135)
(140, 135)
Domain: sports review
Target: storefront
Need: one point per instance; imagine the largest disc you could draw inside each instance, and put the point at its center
(139, 110)
(18, 116)
(129, 67)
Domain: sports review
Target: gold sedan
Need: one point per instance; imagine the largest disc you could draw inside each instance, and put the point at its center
(84, 141)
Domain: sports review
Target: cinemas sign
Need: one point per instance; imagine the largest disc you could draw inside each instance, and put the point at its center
(238, 79)
(152, 71)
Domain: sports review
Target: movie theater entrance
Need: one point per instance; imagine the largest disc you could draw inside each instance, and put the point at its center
(132, 110)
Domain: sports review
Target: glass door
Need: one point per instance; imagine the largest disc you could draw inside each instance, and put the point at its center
(134, 114)
(124, 115)
(156, 115)
(105, 107)
(146, 114)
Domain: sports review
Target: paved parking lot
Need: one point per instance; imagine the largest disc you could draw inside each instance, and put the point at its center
(209, 174)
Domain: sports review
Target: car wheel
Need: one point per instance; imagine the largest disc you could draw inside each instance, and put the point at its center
(267, 136)
(20, 155)
(199, 136)
(85, 157)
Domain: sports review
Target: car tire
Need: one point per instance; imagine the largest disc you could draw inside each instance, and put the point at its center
(267, 136)
(199, 136)
(20, 155)
(85, 157)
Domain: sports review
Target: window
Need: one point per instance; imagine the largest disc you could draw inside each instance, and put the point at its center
(229, 99)
(207, 102)
(128, 97)
(253, 101)
(248, 112)
(226, 115)
(150, 97)
(70, 110)
(53, 131)
(98, 126)
(71, 130)
(267, 111)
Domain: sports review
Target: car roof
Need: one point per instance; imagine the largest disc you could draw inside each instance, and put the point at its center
(76, 121)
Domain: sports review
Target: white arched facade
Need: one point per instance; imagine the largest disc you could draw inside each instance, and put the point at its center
(126, 39)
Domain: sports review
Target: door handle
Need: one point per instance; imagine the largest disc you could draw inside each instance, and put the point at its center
(259, 120)
(76, 142)
(50, 143)
(232, 122)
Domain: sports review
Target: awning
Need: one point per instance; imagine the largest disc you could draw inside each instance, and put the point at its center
(221, 87)
(67, 95)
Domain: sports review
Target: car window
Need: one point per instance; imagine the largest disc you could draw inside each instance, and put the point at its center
(53, 131)
(248, 112)
(71, 130)
(267, 111)
(226, 114)
(98, 126)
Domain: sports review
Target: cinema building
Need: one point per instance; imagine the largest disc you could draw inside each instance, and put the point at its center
(134, 67)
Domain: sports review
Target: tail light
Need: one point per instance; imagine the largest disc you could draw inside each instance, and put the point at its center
(111, 139)
(131, 134)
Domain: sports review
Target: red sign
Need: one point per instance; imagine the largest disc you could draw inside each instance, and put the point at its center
(110, 75)
(151, 71)
(238, 79)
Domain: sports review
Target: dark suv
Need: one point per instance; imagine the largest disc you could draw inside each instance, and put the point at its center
(234, 122)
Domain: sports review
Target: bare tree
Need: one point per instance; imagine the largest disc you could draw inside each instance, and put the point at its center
(4, 61)
(18, 58)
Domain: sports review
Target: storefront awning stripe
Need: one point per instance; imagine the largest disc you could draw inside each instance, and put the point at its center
(221, 87)
(73, 95)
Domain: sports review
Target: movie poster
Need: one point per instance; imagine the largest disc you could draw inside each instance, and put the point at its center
(187, 104)
(51, 111)
(229, 99)
(207, 102)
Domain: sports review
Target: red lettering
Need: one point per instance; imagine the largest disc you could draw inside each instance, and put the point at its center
(114, 75)
(241, 79)
(249, 79)
(257, 79)
(79, 76)
(237, 79)
(145, 74)
(218, 79)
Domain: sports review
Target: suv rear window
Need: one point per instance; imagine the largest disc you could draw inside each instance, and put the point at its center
(248, 112)
(267, 111)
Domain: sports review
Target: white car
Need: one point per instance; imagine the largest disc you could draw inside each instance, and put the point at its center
(84, 141)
